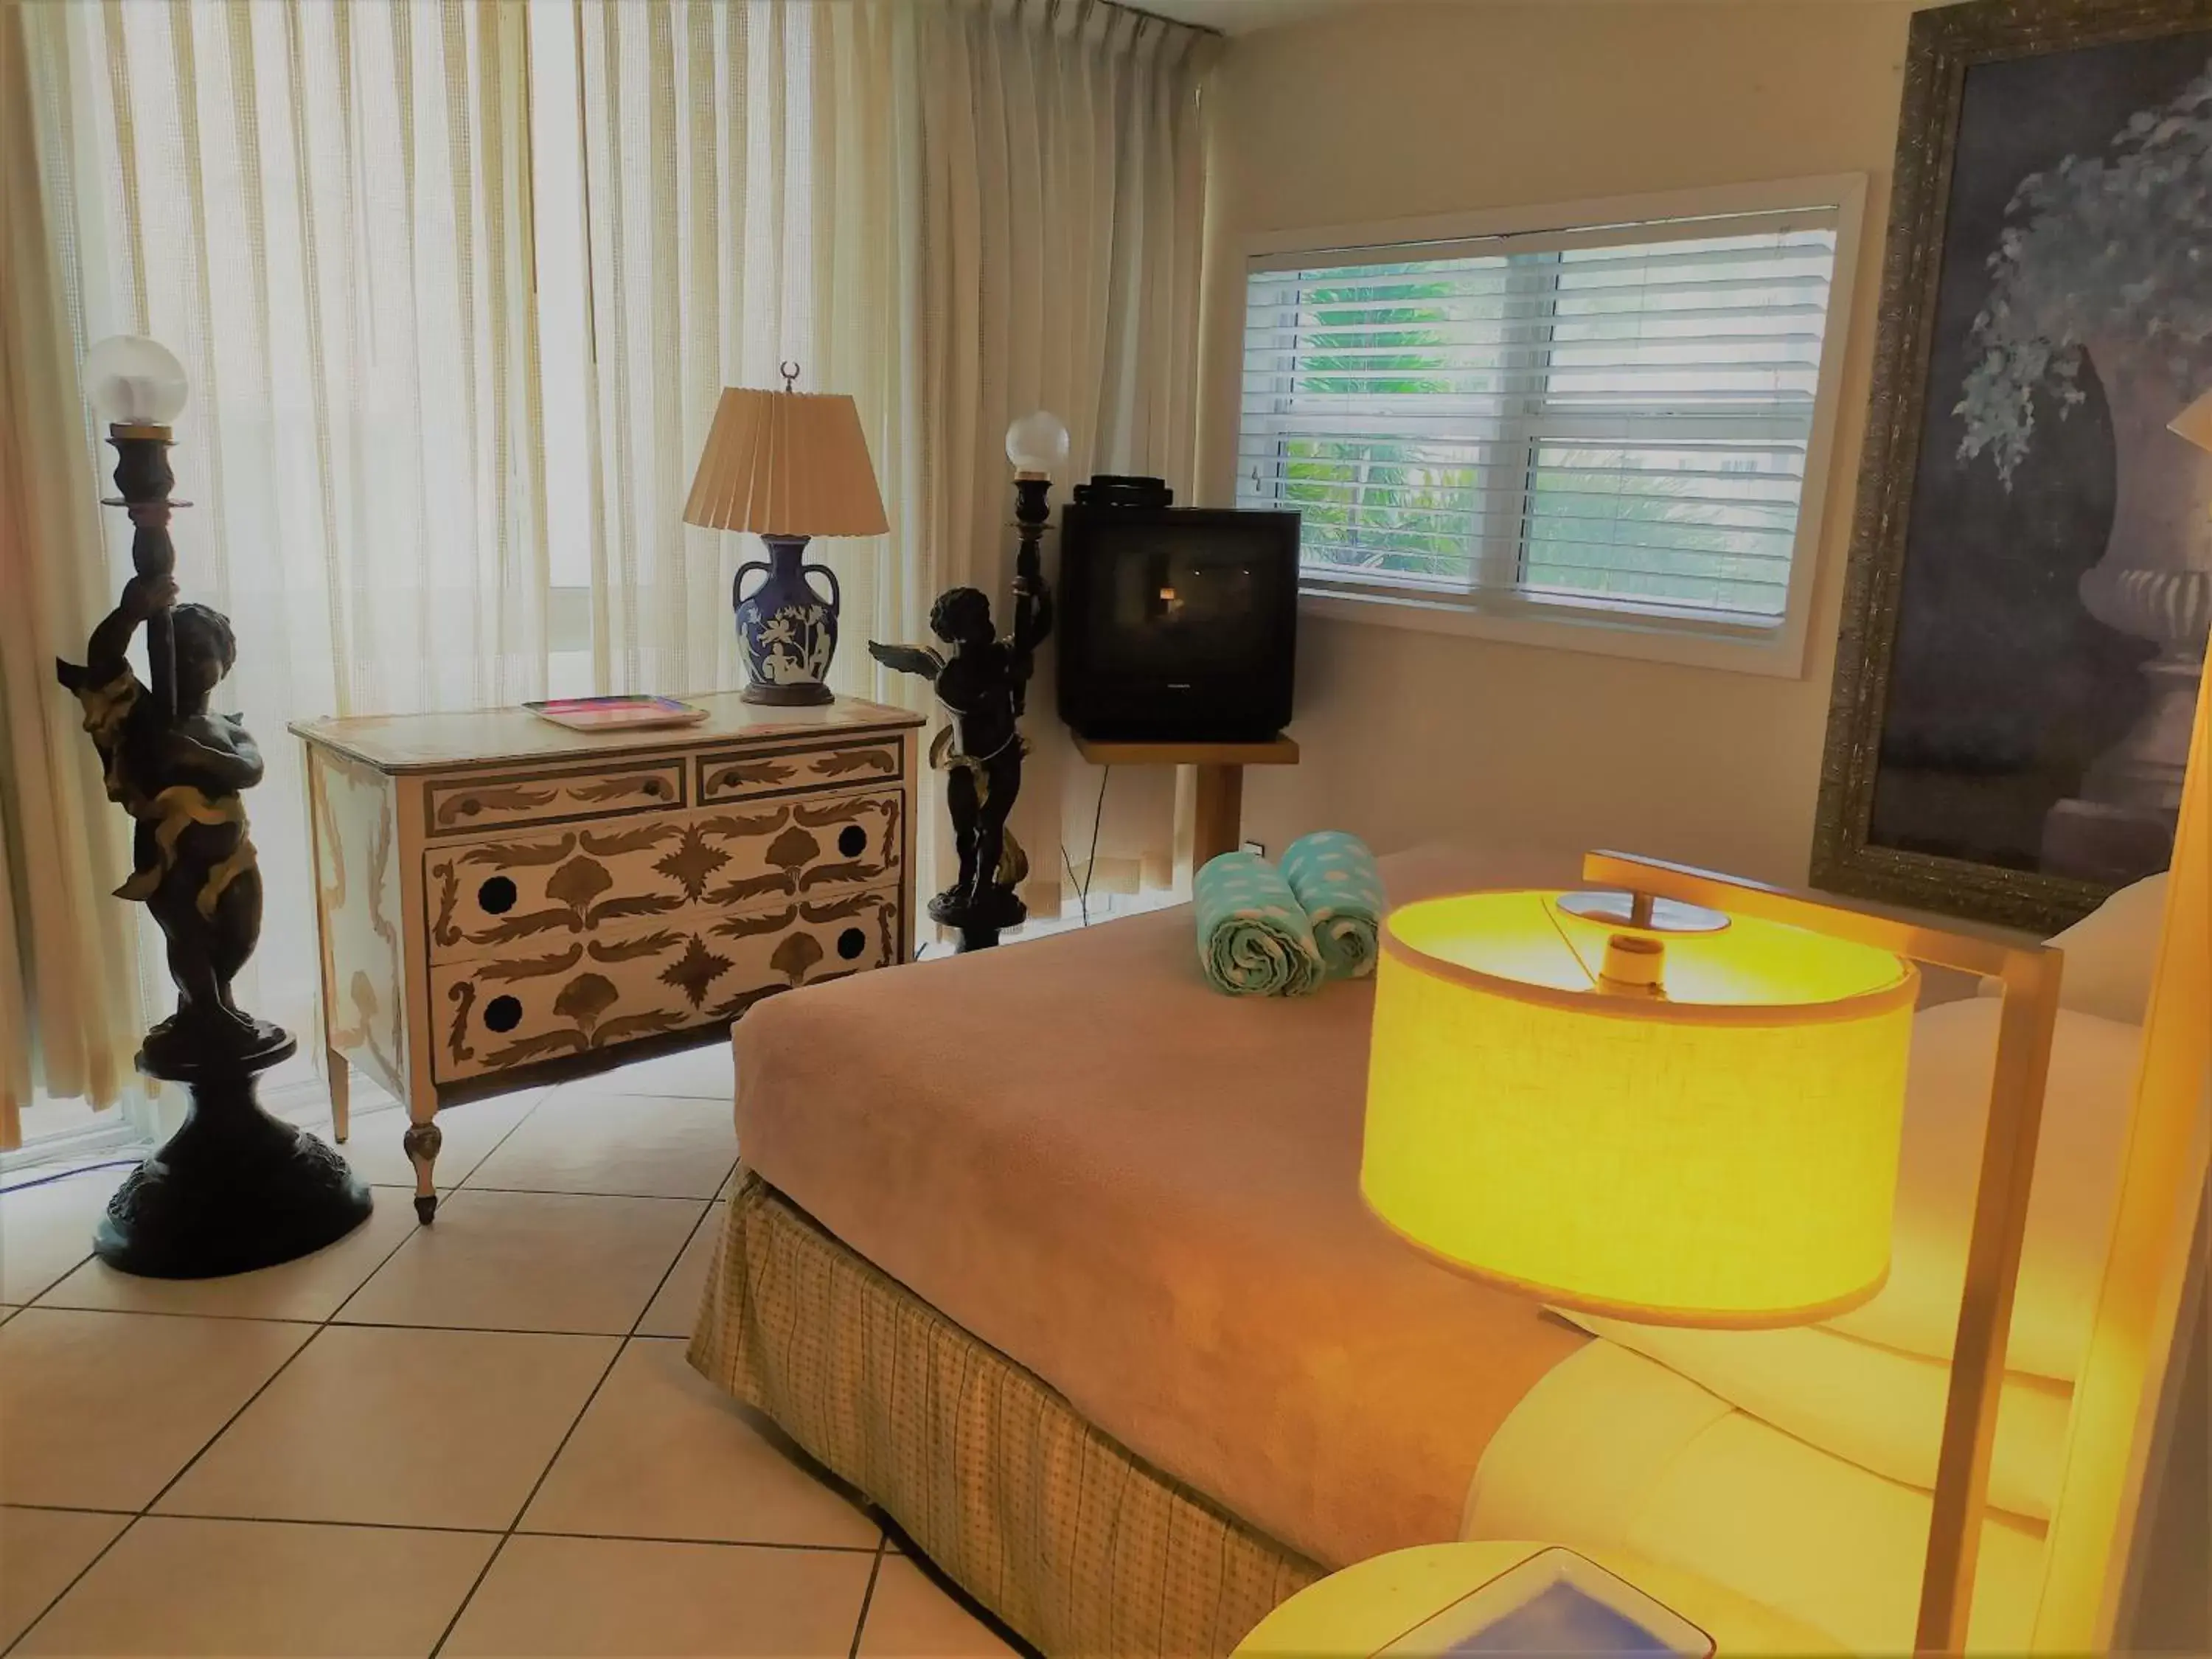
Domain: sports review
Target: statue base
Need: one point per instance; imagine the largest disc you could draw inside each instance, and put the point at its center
(235, 1189)
(978, 924)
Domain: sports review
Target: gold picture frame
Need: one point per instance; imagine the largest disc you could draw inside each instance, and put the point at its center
(1945, 43)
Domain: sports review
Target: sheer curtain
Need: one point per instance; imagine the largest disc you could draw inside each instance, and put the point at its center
(62, 846)
(957, 211)
(750, 201)
(1063, 150)
(323, 211)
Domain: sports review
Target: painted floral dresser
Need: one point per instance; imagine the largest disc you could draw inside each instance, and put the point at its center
(500, 898)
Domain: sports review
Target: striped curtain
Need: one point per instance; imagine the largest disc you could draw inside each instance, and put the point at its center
(323, 211)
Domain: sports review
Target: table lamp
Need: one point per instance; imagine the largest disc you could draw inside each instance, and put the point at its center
(788, 465)
(1681, 1102)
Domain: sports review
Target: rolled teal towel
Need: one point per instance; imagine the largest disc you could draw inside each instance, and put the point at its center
(1337, 883)
(1253, 939)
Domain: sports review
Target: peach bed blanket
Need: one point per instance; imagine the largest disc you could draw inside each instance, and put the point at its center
(1146, 1193)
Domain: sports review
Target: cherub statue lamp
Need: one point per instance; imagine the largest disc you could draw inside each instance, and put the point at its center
(233, 1189)
(983, 688)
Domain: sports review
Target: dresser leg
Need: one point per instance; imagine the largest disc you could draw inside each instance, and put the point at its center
(422, 1142)
(341, 1081)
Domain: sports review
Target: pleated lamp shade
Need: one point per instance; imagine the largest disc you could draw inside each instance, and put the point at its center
(2195, 423)
(1724, 1155)
(786, 463)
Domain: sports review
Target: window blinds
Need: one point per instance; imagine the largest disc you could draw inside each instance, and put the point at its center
(1617, 416)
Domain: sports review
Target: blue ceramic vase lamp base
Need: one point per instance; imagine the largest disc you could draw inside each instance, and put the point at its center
(786, 629)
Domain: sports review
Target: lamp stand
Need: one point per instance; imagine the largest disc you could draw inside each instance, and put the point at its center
(235, 1188)
(2030, 975)
(984, 688)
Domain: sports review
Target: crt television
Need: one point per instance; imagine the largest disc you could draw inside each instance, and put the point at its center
(1177, 625)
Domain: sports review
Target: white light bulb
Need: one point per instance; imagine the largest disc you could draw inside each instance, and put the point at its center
(1037, 444)
(135, 381)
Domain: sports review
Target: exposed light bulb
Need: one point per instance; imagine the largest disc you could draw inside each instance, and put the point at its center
(1037, 444)
(135, 381)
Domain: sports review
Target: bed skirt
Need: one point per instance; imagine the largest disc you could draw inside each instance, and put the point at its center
(1073, 1540)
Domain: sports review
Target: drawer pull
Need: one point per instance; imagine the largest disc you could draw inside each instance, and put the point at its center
(502, 1013)
(497, 896)
(851, 942)
(851, 841)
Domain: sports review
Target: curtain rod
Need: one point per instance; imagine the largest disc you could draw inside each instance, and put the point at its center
(1172, 23)
(1157, 17)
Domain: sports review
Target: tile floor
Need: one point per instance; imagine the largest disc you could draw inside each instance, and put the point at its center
(475, 1438)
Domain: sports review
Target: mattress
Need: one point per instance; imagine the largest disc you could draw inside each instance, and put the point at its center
(1146, 1193)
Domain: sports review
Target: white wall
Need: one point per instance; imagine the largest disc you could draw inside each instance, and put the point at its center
(1381, 110)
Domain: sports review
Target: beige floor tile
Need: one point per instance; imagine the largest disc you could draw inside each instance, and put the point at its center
(530, 1261)
(311, 1288)
(581, 1139)
(707, 1072)
(591, 1595)
(409, 1428)
(100, 1410)
(675, 1307)
(239, 1588)
(6, 1313)
(909, 1616)
(662, 1453)
(47, 1230)
(41, 1552)
(471, 1129)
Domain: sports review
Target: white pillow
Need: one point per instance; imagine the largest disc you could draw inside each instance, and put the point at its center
(1868, 1386)
(2110, 954)
(1865, 1403)
(2086, 1103)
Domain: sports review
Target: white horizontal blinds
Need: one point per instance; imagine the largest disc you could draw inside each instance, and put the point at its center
(1618, 416)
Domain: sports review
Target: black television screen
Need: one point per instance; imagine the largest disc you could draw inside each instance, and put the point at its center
(1177, 625)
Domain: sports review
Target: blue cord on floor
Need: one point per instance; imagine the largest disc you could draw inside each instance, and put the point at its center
(64, 1174)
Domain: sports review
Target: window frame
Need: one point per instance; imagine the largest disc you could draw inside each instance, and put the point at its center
(1606, 627)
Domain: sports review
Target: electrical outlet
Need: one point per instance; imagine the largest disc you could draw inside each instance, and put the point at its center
(1257, 848)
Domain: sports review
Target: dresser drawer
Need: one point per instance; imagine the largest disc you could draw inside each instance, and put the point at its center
(753, 774)
(805, 849)
(495, 1013)
(468, 806)
(513, 892)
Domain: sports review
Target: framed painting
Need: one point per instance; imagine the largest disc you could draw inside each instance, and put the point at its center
(2031, 574)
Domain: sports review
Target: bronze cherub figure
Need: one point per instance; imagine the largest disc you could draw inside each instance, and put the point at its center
(235, 1188)
(983, 687)
(179, 774)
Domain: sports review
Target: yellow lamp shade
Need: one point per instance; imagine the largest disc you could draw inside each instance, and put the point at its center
(1723, 1153)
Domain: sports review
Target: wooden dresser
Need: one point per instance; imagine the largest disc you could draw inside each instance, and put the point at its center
(499, 898)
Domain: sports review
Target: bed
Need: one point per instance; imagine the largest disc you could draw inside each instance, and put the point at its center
(1060, 1258)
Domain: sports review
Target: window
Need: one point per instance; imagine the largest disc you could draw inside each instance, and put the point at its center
(1616, 427)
